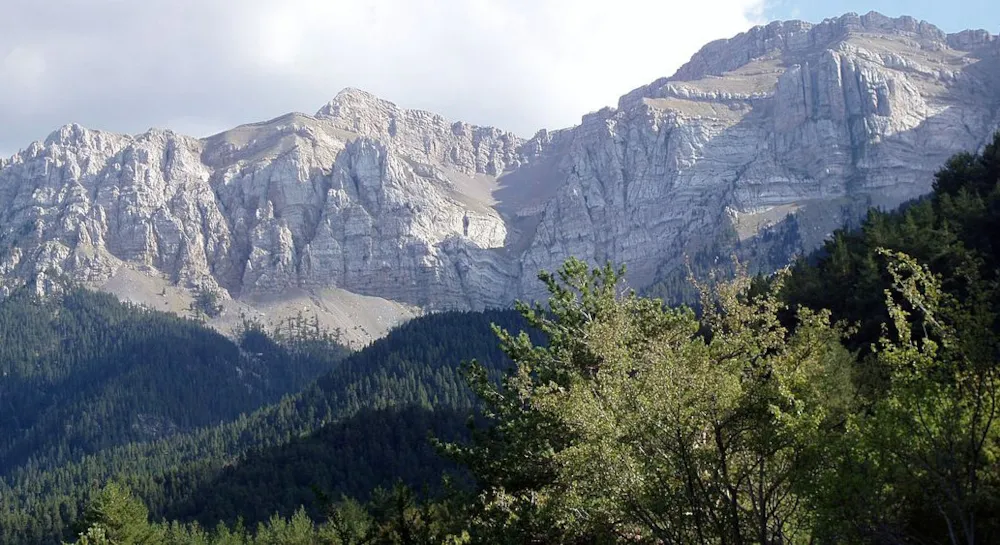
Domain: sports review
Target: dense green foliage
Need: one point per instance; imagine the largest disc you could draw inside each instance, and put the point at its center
(371, 448)
(638, 423)
(397, 380)
(952, 231)
(81, 372)
(116, 517)
(650, 424)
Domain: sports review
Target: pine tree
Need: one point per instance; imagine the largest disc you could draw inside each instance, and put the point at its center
(118, 517)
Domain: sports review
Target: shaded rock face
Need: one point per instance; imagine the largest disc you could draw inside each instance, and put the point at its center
(788, 118)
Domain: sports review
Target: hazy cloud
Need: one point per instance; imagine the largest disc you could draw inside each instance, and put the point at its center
(199, 66)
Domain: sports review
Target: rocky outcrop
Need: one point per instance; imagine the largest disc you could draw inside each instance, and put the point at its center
(367, 197)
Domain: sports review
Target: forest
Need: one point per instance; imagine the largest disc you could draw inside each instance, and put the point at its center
(362, 423)
(851, 397)
(83, 372)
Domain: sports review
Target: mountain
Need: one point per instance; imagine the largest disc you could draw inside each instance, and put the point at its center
(368, 213)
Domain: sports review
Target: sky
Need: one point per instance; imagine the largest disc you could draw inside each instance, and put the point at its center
(202, 66)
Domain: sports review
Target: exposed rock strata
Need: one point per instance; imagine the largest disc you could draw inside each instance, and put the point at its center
(374, 199)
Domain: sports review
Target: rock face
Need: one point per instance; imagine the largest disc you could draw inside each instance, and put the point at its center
(789, 118)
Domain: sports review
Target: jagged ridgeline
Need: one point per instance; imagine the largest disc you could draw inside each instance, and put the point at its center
(363, 424)
(367, 198)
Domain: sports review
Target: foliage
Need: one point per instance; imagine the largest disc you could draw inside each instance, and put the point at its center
(364, 424)
(644, 423)
(205, 304)
(950, 231)
(393, 517)
(115, 516)
(928, 448)
(918, 461)
(81, 372)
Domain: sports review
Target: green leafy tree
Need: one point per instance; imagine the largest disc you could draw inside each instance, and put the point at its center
(297, 530)
(641, 423)
(927, 451)
(402, 519)
(350, 523)
(95, 535)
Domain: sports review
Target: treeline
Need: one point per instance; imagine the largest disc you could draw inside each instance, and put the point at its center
(393, 515)
(364, 425)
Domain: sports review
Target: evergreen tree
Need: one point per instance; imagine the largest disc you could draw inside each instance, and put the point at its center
(117, 517)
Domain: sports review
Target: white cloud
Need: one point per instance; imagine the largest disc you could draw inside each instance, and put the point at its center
(517, 64)
(22, 70)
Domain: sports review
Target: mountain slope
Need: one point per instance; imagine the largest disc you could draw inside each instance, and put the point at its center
(81, 372)
(410, 377)
(820, 121)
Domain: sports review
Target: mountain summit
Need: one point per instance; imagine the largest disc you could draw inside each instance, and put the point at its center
(366, 212)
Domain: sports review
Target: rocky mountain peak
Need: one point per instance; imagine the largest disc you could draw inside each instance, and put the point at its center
(793, 39)
(472, 149)
(71, 132)
(73, 135)
(748, 68)
(367, 210)
(351, 100)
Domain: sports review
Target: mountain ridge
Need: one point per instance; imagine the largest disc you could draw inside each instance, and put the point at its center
(842, 26)
(368, 199)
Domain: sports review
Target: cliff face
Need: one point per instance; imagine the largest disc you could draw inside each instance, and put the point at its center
(363, 196)
(786, 118)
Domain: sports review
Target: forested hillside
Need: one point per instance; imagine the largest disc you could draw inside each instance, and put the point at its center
(953, 232)
(408, 382)
(81, 372)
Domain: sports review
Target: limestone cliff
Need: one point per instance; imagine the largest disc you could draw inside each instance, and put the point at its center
(368, 198)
